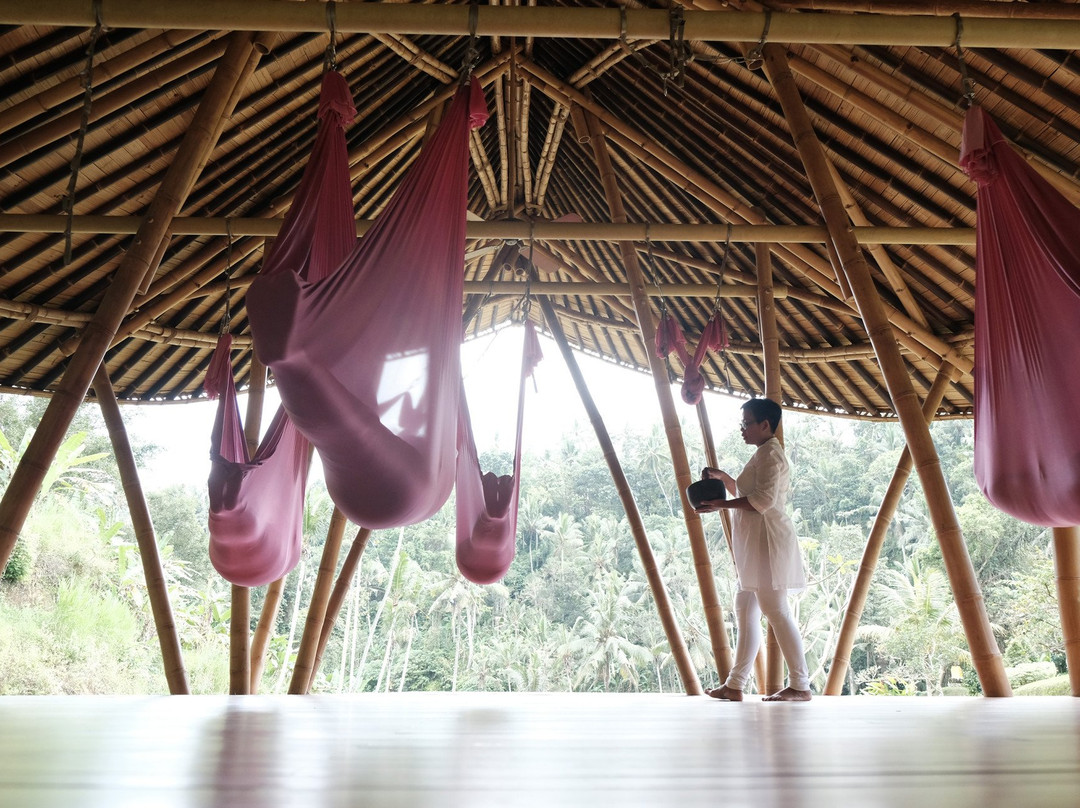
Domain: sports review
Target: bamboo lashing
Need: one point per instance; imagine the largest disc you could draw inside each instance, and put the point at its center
(702, 564)
(1067, 578)
(986, 656)
(551, 21)
(676, 643)
(27, 478)
(860, 587)
(156, 586)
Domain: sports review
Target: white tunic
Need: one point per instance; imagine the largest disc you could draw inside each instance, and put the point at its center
(764, 543)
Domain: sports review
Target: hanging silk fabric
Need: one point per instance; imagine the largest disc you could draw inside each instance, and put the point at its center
(487, 505)
(1027, 328)
(256, 504)
(713, 338)
(365, 351)
(670, 340)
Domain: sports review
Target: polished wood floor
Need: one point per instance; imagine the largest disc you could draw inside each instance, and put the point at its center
(547, 750)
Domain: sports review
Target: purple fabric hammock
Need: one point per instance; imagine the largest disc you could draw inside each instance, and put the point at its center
(256, 504)
(487, 505)
(366, 353)
(1027, 328)
(670, 339)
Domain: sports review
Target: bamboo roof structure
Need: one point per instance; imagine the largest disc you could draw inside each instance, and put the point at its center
(700, 145)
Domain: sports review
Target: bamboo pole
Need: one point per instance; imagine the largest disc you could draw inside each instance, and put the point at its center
(974, 8)
(156, 586)
(240, 650)
(860, 587)
(1067, 576)
(714, 616)
(309, 640)
(27, 478)
(551, 22)
(985, 654)
(687, 673)
(703, 233)
(263, 630)
(341, 589)
(770, 357)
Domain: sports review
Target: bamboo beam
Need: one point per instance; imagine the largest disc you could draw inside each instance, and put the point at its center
(702, 565)
(687, 672)
(704, 233)
(550, 21)
(984, 651)
(304, 670)
(974, 8)
(860, 587)
(156, 586)
(151, 332)
(1067, 577)
(136, 264)
(341, 589)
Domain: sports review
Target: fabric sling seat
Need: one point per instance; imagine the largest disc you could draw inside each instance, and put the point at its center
(365, 350)
(487, 504)
(1027, 329)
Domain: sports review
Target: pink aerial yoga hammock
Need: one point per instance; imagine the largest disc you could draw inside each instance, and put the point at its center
(256, 504)
(365, 352)
(670, 339)
(487, 505)
(1027, 329)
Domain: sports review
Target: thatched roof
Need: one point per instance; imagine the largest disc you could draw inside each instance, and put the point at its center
(695, 133)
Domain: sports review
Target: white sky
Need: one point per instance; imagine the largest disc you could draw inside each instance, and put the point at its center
(490, 365)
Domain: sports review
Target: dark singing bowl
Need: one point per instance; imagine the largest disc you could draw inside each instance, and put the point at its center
(703, 490)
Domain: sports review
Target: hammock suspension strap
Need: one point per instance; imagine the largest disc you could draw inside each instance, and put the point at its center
(330, 57)
(84, 123)
(968, 97)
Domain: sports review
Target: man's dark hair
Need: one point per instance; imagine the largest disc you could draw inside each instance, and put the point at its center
(764, 409)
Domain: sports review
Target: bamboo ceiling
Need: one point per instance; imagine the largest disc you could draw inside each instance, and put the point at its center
(698, 141)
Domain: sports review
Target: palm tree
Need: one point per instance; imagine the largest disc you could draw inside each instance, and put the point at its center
(608, 654)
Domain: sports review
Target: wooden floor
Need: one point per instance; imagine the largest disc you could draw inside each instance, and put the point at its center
(548, 750)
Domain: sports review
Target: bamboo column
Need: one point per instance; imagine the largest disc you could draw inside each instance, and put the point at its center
(320, 595)
(341, 589)
(984, 651)
(240, 617)
(218, 100)
(714, 616)
(156, 587)
(1067, 573)
(770, 357)
(648, 561)
(860, 588)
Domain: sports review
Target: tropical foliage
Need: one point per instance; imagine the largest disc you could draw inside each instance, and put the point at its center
(575, 611)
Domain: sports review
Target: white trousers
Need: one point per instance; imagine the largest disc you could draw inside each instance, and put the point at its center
(748, 610)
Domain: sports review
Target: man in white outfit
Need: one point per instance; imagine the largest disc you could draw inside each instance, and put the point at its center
(766, 551)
